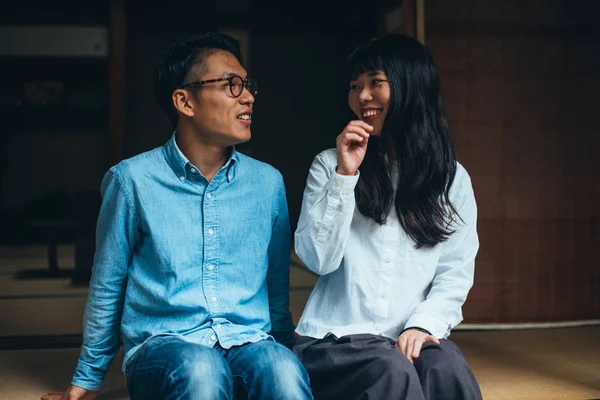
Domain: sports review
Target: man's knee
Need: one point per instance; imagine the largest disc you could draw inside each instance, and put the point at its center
(179, 369)
(283, 362)
(288, 370)
(282, 372)
(203, 371)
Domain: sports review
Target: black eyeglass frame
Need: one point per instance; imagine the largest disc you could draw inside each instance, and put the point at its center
(249, 83)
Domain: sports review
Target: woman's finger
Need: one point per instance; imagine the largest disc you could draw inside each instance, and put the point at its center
(362, 124)
(416, 351)
(409, 348)
(349, 138)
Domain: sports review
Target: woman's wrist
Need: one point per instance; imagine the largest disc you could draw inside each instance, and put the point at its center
(342, 171)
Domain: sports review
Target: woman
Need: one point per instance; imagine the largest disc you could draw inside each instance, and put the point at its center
(389, 222)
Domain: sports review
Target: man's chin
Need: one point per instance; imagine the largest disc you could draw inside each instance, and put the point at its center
(245, 137)
(239, 139)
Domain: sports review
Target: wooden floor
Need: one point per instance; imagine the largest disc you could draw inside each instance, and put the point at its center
(543, 364)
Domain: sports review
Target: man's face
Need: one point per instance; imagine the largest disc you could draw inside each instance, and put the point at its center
(221, 118)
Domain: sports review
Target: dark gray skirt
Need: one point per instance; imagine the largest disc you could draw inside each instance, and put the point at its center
(366, 366)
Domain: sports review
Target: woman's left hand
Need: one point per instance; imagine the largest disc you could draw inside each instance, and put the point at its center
(411, 341)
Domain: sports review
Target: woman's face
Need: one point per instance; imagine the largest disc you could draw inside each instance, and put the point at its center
(369, 98)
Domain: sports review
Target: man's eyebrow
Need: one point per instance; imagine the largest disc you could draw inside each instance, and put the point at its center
(230, 74)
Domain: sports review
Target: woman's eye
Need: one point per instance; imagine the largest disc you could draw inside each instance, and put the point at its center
(376, 81)
(353, 87)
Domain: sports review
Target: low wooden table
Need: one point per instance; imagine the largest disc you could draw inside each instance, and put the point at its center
(52, 229)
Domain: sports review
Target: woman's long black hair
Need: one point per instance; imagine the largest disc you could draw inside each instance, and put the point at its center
(414, 141)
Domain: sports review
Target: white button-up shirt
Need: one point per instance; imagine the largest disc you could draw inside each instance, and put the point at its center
(373, 279)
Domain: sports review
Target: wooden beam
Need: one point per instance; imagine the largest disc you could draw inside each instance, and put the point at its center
(409, 17)
(420, 21)
(116, 82)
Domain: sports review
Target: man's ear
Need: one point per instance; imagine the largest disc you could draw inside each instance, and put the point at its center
(182, 101)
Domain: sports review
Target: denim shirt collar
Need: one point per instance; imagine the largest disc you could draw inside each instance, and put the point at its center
(181, 165)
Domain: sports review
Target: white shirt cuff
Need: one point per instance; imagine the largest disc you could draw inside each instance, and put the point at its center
(436, 326)
(343, 184)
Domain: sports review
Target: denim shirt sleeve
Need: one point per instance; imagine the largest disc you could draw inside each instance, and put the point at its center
(116, 237)
(278, 282)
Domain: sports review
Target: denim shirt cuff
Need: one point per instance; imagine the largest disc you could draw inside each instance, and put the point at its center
(87, 377)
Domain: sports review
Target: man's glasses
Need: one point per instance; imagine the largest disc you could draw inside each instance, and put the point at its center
(236, 84)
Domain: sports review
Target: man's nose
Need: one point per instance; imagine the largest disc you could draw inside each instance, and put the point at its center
(246, 97)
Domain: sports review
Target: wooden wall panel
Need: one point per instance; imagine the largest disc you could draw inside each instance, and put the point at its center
(520, 82)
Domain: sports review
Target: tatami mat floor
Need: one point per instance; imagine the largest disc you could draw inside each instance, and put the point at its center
(529, 364)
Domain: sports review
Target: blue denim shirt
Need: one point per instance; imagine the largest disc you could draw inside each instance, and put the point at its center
(176, 255)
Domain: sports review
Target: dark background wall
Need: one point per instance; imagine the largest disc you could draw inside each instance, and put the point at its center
(519, 81)
(295, 53)
(52, 142)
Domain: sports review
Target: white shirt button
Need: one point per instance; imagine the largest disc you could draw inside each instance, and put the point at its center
(208, 195)
(213, 338)
(210, 267)
(210, 231)
(214, 299)
(230, 177)
(193, 170)
(387, 260)
(182, 178)
(218, 326)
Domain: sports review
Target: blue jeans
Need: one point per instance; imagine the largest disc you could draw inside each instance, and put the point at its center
(168, 368)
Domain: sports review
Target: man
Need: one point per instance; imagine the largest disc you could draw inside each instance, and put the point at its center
(192, 266)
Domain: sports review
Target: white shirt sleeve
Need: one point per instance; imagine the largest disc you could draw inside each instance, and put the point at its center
(442, 309)
(326, 214)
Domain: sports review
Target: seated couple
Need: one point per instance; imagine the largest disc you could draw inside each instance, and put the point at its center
(193, 245)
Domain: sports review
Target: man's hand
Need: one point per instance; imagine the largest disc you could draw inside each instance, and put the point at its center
(351, 147)
(411, 341)
(72, 393)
